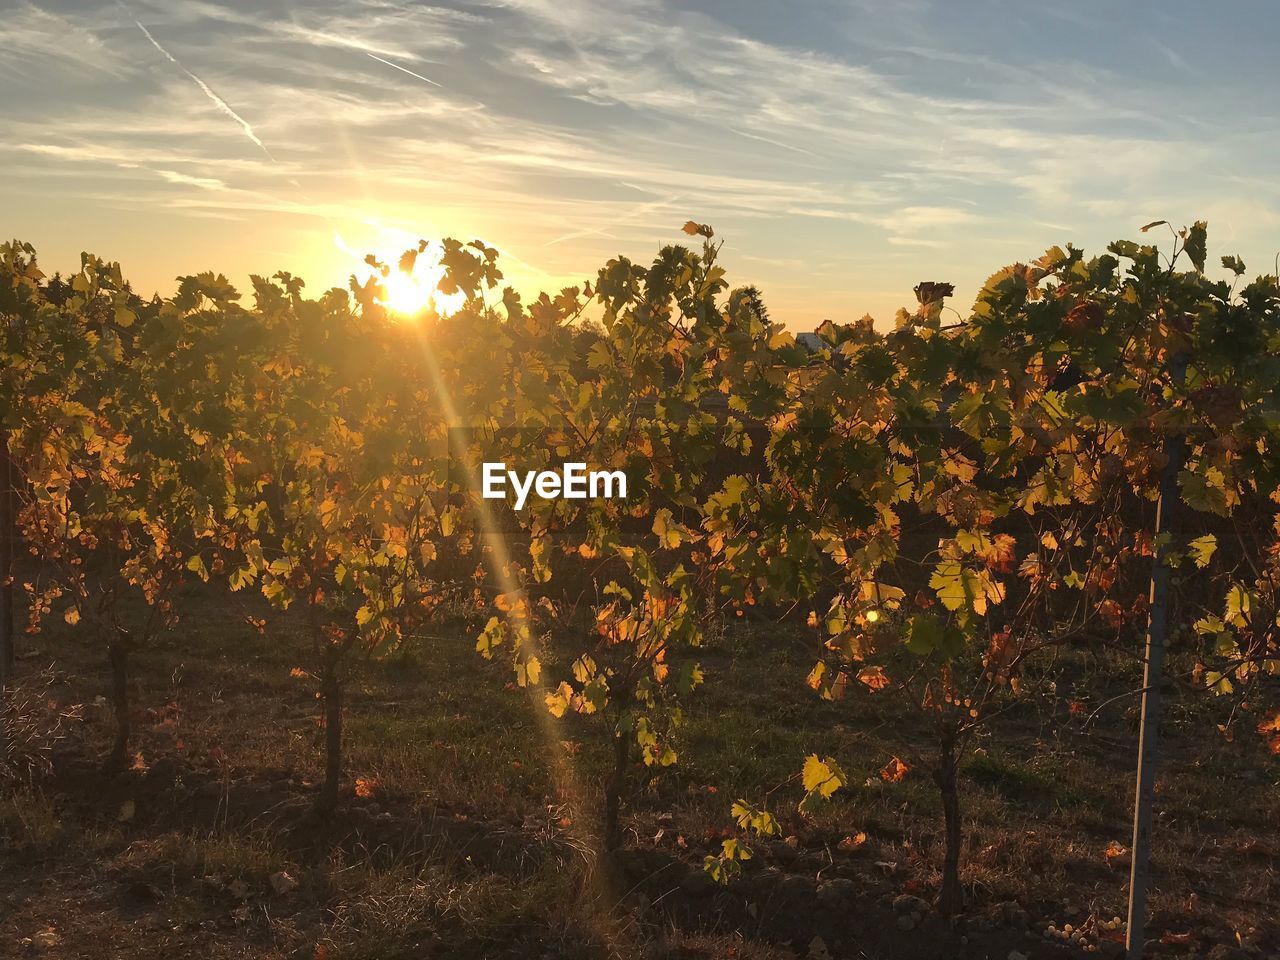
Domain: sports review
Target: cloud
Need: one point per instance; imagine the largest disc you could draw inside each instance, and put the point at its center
(568, 130)
(204, 183)
(123, 155)
(33, 40)
(920, 218)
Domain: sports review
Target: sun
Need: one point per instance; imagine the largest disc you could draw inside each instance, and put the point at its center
(410, 293)
(407, 292)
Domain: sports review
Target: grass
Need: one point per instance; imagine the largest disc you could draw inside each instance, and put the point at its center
(442, 735)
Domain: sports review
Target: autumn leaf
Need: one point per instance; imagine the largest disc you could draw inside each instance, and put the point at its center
(1115, 851)
(1270, 728)
(874, 678)
(695, 229)
(852, 842)
(894, 771)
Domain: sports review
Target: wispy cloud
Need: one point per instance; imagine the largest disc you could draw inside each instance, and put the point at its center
(32, 38)
(632, 214)
(204, 183)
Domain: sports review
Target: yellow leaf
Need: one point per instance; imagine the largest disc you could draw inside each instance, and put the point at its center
(821, 777)
(529, 671)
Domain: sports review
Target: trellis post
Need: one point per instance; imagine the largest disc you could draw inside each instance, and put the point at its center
(1175, 448)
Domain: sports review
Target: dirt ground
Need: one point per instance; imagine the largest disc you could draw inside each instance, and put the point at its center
(467, 822)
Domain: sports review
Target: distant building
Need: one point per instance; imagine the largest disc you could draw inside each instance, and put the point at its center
(809, 341)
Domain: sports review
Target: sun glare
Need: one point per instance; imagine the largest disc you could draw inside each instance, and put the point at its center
(410, 292)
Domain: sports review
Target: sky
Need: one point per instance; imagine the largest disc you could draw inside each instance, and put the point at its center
(844, 151)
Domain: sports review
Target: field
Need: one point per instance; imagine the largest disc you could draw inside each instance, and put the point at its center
(465, 828)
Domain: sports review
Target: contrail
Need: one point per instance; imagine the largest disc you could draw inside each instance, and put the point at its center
(404, 70)
(776, 143)
(218, 101)
(603, 231)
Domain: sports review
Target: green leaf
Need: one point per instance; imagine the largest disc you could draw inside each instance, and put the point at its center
(924, 635)
(1204, 491)
(734, 850)
(559, 700)
(239, 578)
(196, 565)
(1209, 625)
(751, 817)
(961, 588)
(1195, 244)
(539, 554)
(669, 533)
(948, 582)
(1201, 549)
(689, 677)
(448, 521)
(1217, 682)
(1238, 604)
(491, 637)
(528, 671)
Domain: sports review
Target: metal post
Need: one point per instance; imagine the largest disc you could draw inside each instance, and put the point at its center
(1175, 449)
(8, 544)
(7, 537)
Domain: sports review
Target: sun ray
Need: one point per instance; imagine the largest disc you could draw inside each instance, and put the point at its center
(564, 777)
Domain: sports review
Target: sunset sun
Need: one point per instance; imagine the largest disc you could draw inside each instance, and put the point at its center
(411, 291)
